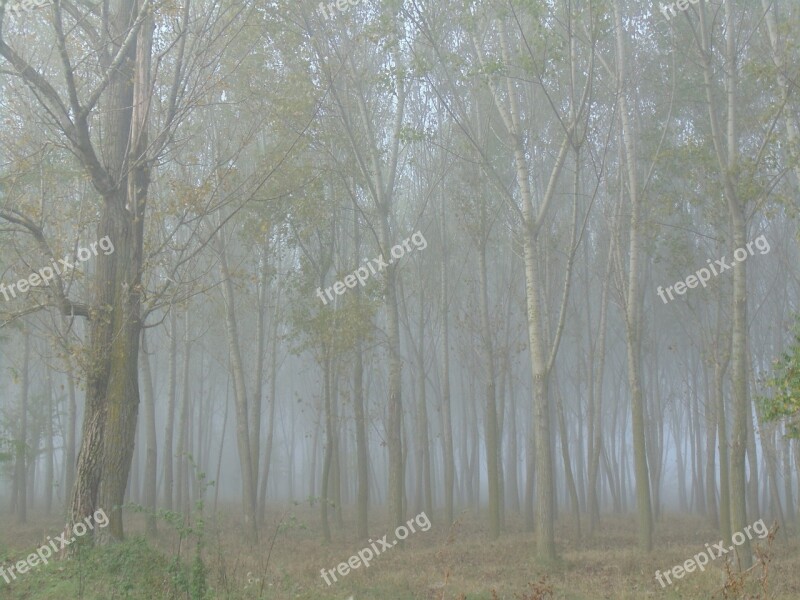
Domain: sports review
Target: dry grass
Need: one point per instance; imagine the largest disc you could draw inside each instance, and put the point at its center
(459, 562)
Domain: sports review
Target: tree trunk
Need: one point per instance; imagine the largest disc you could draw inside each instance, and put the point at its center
(151, 449)
(490, 421)
(728, 166)
(50, 459)
(447, 420)
(181, 462)
(20, 493)
(633, 304)
(328, 451)
(71, 441)
(172, 388)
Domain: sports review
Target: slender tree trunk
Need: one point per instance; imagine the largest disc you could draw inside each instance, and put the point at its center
(711, 439)
(172, 386)
(571, 487)
(633, 304)
(599, 365)
(273, 398)
(728, 166)
(181, 461)
(240, 399)
(447, 421)
(329, 433)
(221, 445)
(20, 492)
(151, 450)
(258, 383)
(721, 359)
(50, 459)
(490, 421)
(71, 441)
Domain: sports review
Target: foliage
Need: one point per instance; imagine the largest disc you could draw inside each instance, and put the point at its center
(195, 582)
(784, 404)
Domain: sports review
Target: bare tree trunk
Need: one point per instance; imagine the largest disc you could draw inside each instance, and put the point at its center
(240, 399)
(724, 473)
(151, 449)
(362, 506)
(490, 421)
(329, 433)
(597, 395)
(573, 490)
(172, 387)
(71, 441)
(258, 383)
(20, 493)
(447, 420)
(221, 445)
(50, 459)
(728, 166)
(182, 449)
(273, 399)
(711, 438)
(512, 460)
(633, 304)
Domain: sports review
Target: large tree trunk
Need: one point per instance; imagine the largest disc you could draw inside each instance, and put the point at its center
(112, 386)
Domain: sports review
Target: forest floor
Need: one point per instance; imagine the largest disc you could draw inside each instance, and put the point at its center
(440, 564)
